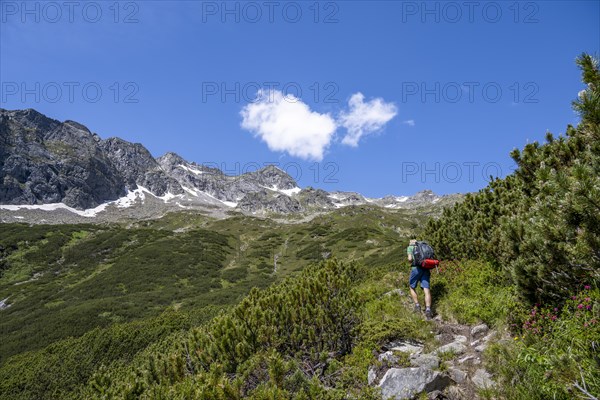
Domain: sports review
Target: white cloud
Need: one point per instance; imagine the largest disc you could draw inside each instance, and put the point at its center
(365, 117)
(409, 122)
(287, 124)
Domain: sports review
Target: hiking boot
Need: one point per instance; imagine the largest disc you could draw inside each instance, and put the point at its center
(417, 309)
(428, 314)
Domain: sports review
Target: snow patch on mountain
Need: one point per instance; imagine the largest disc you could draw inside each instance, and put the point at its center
(287, 192)
(129, 200)
(192, 170)
(92, 212)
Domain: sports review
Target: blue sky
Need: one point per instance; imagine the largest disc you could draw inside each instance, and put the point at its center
(377, 97)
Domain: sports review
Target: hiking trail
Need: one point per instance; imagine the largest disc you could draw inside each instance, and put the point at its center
(451, 368)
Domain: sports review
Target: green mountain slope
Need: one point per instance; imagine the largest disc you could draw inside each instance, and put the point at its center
(64, 280)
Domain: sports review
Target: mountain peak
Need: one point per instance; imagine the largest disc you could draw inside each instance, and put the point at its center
(171, 158)
(30, 118)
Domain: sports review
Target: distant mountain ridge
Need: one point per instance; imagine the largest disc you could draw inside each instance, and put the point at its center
(45, 162)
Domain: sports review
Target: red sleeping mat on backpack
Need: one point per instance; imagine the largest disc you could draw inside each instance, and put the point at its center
(428, 263)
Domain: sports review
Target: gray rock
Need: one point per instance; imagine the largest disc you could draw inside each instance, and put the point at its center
(460, 339)
(388, 357)
(479, 330)
(481, 348)
(482, 379)
(404, 383)
(457, 375)
(426, 361)
(483, 340)
(456, 347)
(371, 375)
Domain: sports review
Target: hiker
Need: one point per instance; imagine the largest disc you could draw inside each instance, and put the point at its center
(418, 274)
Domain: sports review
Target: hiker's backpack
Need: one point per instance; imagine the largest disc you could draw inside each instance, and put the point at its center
(424, 256)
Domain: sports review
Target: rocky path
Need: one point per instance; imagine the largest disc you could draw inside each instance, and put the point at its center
(451, 369)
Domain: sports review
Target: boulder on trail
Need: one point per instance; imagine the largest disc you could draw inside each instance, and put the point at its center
(405, 383)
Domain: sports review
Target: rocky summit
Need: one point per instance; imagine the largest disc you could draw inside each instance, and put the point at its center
(46, 165)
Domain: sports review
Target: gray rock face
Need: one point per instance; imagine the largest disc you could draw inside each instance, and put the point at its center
(261, 201)
(271, 177)
(316, 198)
(405, 383)
(45, 161)
(138, 168)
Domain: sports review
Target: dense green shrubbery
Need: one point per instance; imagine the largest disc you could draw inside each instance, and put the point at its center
(310, 319)
(311, 336)
(59, 369)
(541, 224)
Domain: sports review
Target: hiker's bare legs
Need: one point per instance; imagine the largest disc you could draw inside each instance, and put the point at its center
(427, 297)
(414, 296)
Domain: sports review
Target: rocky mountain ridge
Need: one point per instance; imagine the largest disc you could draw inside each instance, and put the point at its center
(46, 165)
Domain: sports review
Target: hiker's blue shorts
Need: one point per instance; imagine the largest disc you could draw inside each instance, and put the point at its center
(419, 275)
